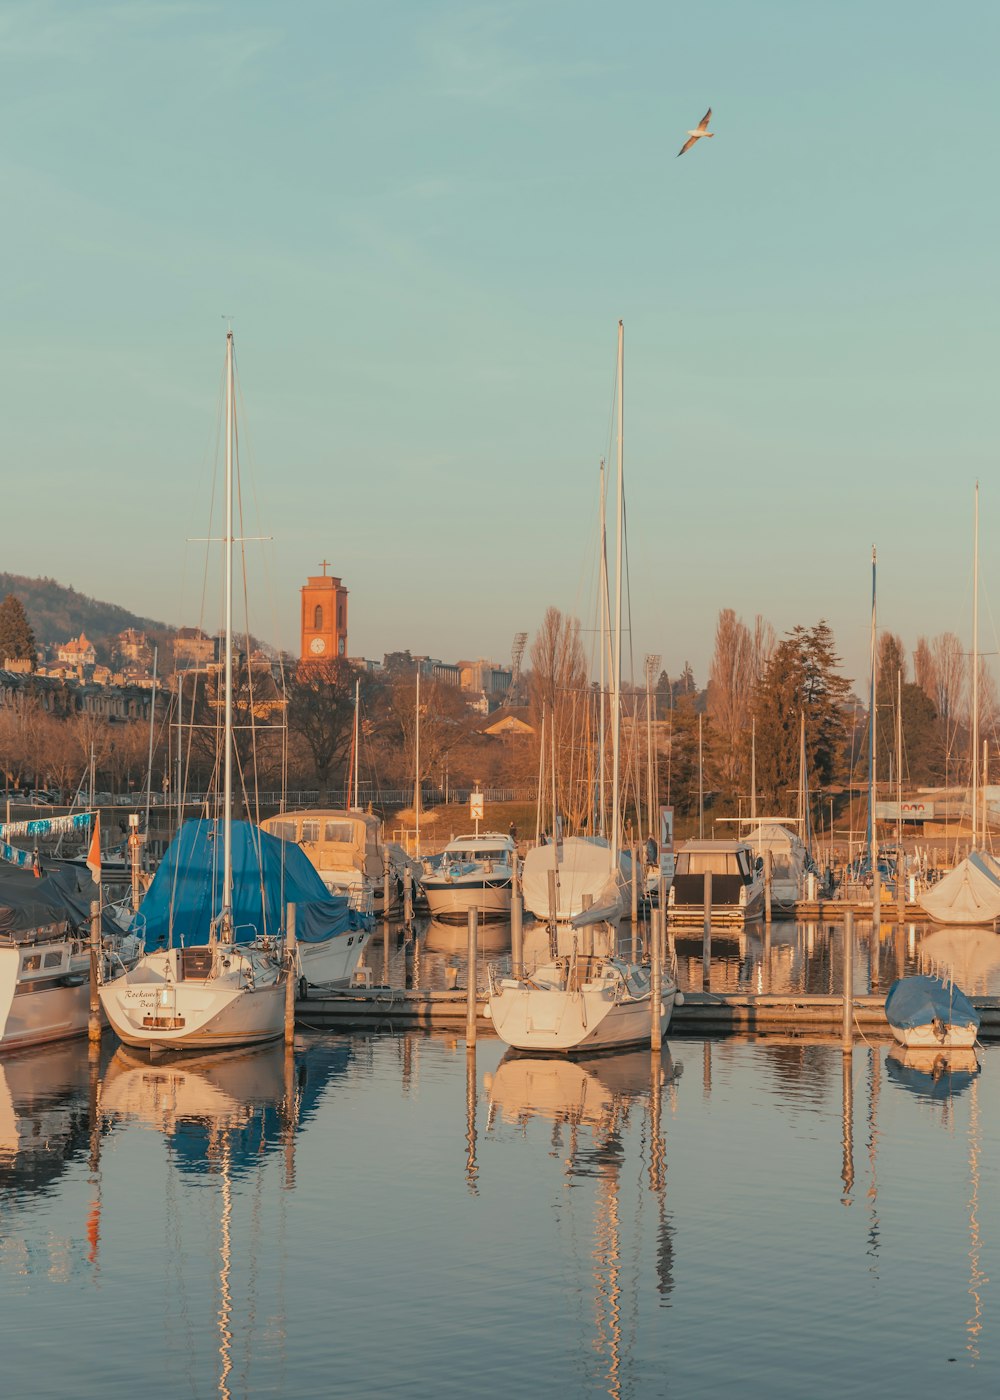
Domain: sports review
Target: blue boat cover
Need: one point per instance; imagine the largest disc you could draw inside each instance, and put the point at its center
(917, 1001)
(186, 892)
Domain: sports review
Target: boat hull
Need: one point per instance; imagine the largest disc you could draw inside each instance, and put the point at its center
(333, 962)
(933, 1036)
(236, 998)
(44, 1010)
(531, 1017)
(454, 899)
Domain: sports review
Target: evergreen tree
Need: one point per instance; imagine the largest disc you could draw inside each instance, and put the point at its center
(17, 641)
(801, 677)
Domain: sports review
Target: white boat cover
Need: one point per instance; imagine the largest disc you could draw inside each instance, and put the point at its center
(585, 869)
(788, 856)
(969, 894)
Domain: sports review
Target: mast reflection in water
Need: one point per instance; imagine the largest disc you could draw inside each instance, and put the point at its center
(589, 1110)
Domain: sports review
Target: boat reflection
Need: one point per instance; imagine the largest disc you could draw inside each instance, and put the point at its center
(254, 1097)
(224, 1115)
(491, 938)
(937, 1075)
(596, 1099)
(44, 1115)
(965, 956)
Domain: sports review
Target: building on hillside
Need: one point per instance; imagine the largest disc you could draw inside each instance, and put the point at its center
(193, 650)
(78, 651)
(131, 645)
(324, 618)
(68, 695)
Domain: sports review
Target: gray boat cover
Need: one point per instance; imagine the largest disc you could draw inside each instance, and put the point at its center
(64, 894)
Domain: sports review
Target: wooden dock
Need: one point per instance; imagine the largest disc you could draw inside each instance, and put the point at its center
(832, 911)
(395, 1008)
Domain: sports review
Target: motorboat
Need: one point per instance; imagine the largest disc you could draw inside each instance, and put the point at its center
(472, 872)
(928, 1013)
(347, 849)
(737, 882)
(45, 954)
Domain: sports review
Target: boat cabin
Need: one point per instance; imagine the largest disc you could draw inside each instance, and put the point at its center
(732, 865)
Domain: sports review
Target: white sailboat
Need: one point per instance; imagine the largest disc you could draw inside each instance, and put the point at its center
(970, 893)
(223, 993)
(585, 998)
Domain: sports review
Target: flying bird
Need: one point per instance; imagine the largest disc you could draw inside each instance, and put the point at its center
(702, 130)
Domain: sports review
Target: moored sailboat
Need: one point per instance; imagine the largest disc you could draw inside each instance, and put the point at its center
(585, 997)
(223, 993)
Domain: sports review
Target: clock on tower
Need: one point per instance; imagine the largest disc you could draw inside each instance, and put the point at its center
(324, 617)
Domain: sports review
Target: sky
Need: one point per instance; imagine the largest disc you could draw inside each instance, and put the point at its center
(425, 221)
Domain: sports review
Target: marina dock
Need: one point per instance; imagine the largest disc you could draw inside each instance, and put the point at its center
(397, 1008)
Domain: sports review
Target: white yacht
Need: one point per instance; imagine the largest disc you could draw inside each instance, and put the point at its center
(472, 872)
(347, 849)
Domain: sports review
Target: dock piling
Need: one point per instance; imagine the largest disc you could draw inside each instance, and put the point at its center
(516, 922)
(291, 963)
(847, 1028)
(470, 995)
(656, 993)
(768, 881)
(386, 885)
(706, 931)
(94, 1018)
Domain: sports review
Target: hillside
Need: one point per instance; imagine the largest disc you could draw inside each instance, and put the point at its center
(57, 613)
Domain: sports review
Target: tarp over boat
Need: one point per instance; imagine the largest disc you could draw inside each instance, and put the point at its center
(585, 871)
(186, 893)
(917, 1001)
(64, 894)
(969, 894)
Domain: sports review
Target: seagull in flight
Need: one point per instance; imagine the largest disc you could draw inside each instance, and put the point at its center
(702, 130)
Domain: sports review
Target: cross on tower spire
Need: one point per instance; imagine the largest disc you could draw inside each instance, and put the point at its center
(326, 565)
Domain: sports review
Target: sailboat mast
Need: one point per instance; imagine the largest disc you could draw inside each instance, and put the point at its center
(357, 708)
(602, 643)
(872, 845)
(227, 799)
(975, 673)
(616, 680)
(417, 784)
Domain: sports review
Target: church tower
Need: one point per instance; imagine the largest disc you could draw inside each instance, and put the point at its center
(324, 618)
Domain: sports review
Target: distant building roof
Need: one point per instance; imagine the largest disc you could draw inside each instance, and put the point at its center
(510, 722)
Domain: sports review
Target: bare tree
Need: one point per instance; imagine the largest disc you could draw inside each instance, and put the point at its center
(950, 672)
(557, 684)
(764, 642)
(731, 680)
(924, 670)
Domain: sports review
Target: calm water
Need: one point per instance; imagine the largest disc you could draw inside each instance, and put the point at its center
(390, 1217)
(787, 959)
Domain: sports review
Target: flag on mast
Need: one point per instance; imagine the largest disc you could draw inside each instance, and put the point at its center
(94, 854)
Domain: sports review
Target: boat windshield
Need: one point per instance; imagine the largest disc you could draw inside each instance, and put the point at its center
(708, 862)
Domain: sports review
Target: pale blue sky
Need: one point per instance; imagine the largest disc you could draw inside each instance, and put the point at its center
(426, 219)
